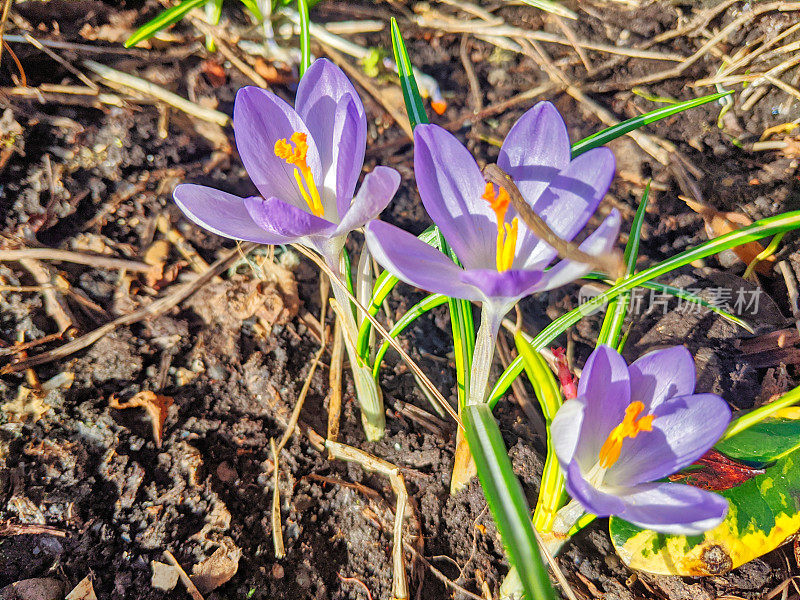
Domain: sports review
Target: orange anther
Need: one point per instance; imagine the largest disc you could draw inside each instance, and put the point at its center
(629, 428)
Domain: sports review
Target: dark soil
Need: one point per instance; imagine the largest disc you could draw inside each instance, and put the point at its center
(85, 177)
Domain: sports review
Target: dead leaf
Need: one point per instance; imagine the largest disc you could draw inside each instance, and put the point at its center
(34, 589)
(157, 408)
(165, 577)
(719, 223)
(270, 73)
(83, 591)
(156, 256)
(272, 300)
(28, 406)
(214, 72)
(218, 568)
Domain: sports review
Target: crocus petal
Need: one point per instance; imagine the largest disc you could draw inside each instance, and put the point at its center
(451, 185)
(673, 508)
(605, 386)
(601, 240)
(221, 213)
(662, 374)
(511, 285)
(593, 500)
(571, 199)
(566, 428)
(376, 191)
(286, 220)
(535, 150)
(331, 108)
(684, 429)
(417, 263)
(260, 119)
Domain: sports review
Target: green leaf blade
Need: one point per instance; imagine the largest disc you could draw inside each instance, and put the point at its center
(305, 36)
(162, 21)
(413, 101)
(506, 500)
(618, 308)
(620, 129)
(415, 312)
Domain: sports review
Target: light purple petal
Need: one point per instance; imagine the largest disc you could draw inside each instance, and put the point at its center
(511, 284)
(601, 240)
(684, 429)
(571, 199)
(535, 150)
(260, 119)
(662, 374)
(605, 386)
(221, 213)
(349, 148)
(451, 185)
(417, 263)
(284, 219)
(331, 108)
(593, 500)
(376, 191)
(566, 428)
(673, 508)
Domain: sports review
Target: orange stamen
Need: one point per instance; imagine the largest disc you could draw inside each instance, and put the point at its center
(499, 202)
(506, 233)
(296, 155)
(629, 428)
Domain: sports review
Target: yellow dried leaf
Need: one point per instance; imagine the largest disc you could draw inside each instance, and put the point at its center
(218, 568)
(157, 408)
(27, 406)
(83, 591)
(719, 223)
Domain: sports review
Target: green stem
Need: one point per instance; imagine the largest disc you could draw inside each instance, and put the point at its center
(483, 354)
(368, 393)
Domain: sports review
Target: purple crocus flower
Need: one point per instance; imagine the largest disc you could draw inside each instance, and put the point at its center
(633, 425)
(502, 260)
(305, 162)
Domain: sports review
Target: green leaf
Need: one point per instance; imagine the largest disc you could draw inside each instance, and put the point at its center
(506, 500)
(165, 19)
(305, 37)
(216, 13)
(750, 418)
(767, 441)
(541, 377)
(252, 6)
(552, 494)
(618, 308)
(606, 135)
(462, 327)
(763, 511)
(420, 308)
(760, 229)
(552, 7)
(414, 105)
(384, 285)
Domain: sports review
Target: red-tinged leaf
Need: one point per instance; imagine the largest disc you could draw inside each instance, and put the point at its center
(565, 377)
(715, 472)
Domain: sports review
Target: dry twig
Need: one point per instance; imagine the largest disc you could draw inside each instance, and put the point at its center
(152, 310)
(91, 260)
(112, 76)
